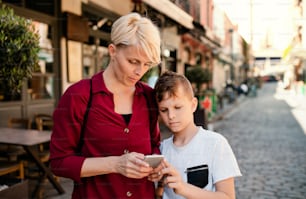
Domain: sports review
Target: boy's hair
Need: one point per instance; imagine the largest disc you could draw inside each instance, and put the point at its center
(169, 82)
(135, 30)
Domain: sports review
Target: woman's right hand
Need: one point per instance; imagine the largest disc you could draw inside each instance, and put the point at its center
(132, 165)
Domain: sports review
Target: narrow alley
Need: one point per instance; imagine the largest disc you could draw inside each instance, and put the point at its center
(269, 144)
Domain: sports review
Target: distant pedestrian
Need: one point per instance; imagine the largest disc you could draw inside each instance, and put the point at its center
(198, 163)
(230, 91)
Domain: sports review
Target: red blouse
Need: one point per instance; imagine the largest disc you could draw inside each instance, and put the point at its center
(106, 134)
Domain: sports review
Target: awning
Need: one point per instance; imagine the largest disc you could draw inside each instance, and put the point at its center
(298, 53)
(172, 11)
(210, 42)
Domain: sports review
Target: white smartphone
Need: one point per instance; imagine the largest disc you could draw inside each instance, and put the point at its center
(153, 160)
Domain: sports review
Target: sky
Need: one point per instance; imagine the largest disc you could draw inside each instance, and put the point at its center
(270, 19)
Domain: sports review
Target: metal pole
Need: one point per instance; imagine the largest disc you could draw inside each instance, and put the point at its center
(232, 55)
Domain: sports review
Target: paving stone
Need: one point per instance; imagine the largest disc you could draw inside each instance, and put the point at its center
(269, 144)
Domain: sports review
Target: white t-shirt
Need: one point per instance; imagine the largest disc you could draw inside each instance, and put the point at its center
(205, 148)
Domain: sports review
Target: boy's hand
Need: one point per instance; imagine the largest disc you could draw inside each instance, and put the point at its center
(172, 178)
(156, 174)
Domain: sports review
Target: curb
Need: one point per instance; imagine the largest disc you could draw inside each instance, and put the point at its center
(224, 112)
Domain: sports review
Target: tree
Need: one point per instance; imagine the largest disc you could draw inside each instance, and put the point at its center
(198, 75)
(19, 47)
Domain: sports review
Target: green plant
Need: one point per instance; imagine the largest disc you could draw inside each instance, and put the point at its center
(19, 47)
(198, 75)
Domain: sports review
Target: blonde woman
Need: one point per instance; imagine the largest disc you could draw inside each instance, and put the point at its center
(103, 149)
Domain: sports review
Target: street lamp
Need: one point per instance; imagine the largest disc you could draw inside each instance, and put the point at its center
(232, 74)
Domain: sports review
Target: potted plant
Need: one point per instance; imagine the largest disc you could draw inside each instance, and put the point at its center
(198, 76)
(19, 47)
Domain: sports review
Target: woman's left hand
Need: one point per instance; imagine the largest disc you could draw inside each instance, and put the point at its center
(132, 165)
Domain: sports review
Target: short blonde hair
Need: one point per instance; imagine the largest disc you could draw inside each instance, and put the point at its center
(135, 30)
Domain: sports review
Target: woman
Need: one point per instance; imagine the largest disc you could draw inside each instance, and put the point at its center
(104, 153)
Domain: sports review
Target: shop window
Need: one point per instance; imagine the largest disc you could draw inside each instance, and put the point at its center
(6, 95)
(171, 61)
(198, 59)
(41, 85)
(95, 59)
(186, 55)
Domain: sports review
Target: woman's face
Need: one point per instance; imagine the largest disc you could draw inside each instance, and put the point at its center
(129, 63)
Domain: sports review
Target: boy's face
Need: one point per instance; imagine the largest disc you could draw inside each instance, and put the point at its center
(177, 111)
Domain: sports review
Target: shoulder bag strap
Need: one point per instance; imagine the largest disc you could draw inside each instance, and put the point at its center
(81, 142)
(152, 110)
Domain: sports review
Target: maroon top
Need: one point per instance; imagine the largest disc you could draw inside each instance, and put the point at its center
(106, 134)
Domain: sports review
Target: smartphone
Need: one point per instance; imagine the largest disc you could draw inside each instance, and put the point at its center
(153, 160)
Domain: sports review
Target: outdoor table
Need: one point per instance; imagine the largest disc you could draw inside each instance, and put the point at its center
(28, 139)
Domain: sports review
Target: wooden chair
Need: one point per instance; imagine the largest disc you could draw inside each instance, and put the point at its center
(9, 151)
(43, 121)
(9, 162)
(11, 167)
(19, 123)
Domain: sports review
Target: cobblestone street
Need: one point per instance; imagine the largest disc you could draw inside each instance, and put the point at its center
(269, 144)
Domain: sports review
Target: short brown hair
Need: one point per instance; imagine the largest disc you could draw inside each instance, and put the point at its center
(169, 82)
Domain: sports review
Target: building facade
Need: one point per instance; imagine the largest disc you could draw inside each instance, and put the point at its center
(74, 35)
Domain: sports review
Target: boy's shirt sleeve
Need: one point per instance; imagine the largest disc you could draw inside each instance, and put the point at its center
(224, 164)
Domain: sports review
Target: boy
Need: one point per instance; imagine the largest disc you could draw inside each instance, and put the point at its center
(199, 163)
